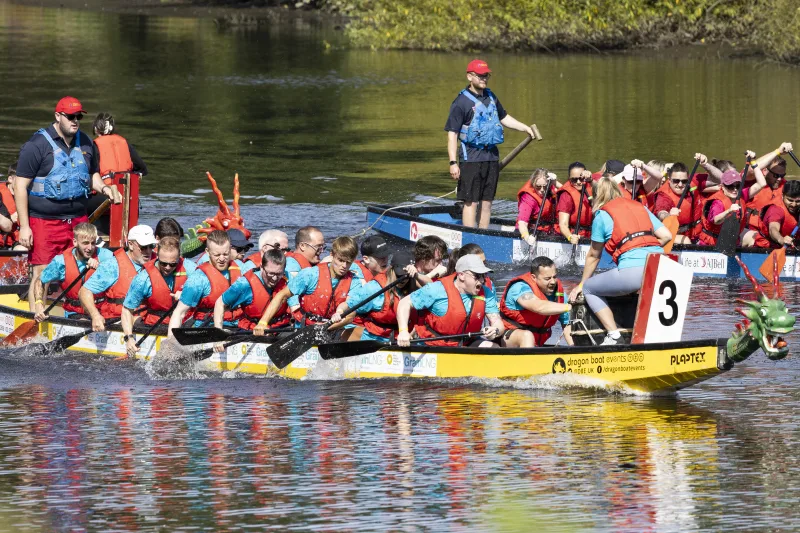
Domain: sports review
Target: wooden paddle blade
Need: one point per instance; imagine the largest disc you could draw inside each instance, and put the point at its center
(340, 350)
(671, 223)
(284, 351)
(773, 263)
(728, 236)
(189, 336)
(24, 332)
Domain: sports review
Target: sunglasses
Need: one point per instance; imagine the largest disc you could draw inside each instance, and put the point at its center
(477, 277)
(777, 175)
(734, 186)
(318, 248)
(678, 182)
(277, 246)
(72, 116)
(482, 76)
(168, 265)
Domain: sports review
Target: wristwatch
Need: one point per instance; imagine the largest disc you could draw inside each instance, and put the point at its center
(453, 163)
(126, 338)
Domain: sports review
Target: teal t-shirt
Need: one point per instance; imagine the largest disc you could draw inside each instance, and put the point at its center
(603, 226)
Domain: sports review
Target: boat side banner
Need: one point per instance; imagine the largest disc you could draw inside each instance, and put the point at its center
(417, 230)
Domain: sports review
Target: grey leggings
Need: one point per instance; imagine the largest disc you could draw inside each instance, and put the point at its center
(611, 283)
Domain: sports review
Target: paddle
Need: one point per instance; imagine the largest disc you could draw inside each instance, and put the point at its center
(284, 351)
(190, 336)
(521, 146)
(671, 222)
(28, 329)
(539, 216)
(775, 261)
(62, 343)
(572, 261)
(340, 350)
(729, 234)
(158, 323)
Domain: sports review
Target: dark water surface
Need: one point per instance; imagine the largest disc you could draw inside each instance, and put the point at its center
(315, 132)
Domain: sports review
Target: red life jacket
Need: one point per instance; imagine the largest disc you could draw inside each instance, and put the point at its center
(252, 312)
(586, 210)
(299, 258)
(632, 227)
(110, 305)
(455, 321)
(710, 232)
(762, 239)
(689, 217)
(539, 325)
(383, 322)
(71, 302)
(115, 155)
(365, 272)
(219, 284)
(548, 218)
(161, 300)
(641, 194)
(755, 207)
(255, 258)
(7, 240)
(321, 304)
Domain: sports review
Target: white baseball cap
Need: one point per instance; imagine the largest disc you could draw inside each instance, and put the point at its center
(142, 234)
(629, 173)
(472, 263)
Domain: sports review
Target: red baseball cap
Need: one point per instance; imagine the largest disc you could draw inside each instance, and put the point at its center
(69, 105)
(478, 66)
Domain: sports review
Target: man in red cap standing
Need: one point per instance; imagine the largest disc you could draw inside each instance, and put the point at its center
(56, 171)
(476, 120)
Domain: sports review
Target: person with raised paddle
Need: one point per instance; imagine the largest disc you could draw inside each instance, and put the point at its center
(309, 243)
(157, 287)
(573, 197)
(531, 304)
(773, 166)
(253, 292)
(316, 292)
(536, 206)
(271, 239)
(632, 182)
(56, 171)
(103, 295)
(454, 305)
(374, 260)
(778, 220)
(82, 257)
(206, 285)
(476, 122)
(677, 199)
(629, 233)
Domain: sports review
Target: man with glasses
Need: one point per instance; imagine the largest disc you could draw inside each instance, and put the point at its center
(309, 243)
(156, 288)
(56, 171)
(453, 305)
(476, 122)
(272, 239)
(568, 199)
(109, 286)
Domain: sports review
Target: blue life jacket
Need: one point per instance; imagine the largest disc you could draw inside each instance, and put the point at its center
(69, 178)
(485, 129)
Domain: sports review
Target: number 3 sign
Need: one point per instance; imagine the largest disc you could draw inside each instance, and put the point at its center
(662, 301)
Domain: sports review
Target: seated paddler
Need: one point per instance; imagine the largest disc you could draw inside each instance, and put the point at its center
(667, 198)
(537, 195)
(309, 243)
(155, 288)
(316, 292)
(102, 295)
(429, 255)
(253, 292)
(66, 267)
(575, 196)
(531, 304)
(206, 284)
(374, 260)
(629, 233)
(778, 219)
(454, 305)
(269, 239)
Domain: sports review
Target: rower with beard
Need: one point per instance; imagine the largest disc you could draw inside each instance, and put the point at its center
(778, 220)
(206, 284)
(156, 287)
(774, 169)
(67, 266)
(309, 243)
(531, 304)
(109, 286)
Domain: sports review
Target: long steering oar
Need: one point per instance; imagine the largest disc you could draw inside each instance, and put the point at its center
(572, 261)
(671, 222)
(340, 350)
(284, 351)
(521, 146)
(62, 343)
(729, 233)
(29, 329)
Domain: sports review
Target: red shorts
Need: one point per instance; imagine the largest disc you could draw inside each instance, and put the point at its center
(51, 237)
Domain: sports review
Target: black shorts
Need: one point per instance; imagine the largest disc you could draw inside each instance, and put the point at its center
(478, 181)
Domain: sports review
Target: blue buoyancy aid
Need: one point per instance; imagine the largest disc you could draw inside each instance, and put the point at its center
(484, 130)
(69, 178)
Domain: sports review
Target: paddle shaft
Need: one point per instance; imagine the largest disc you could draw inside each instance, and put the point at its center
(158, 323)
(65, 291)
(791, 153)
(741, 187)
(688, 185)
(578, 222)
(521, 146)
(340, 350)
(368, 299)
(541, 210)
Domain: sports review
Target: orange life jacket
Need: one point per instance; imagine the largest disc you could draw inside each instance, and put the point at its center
(115, 155)
(219, 284)
(383, 322)
(755, 207)
(252, 312)
(539, 325)
(548, 218)
(641, 194)
(586, 210)
(255, 258)
(71, 302)
(160, 300)
(110, 304)
(762, 239)
(710, 232)
(321, 304)
(689, 217)
(455, 321)
(365, 272)
(299, 258)
(632, 227)
(7, 240)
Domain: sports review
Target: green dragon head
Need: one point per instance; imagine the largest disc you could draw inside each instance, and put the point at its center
(192, 243)
(768, 320)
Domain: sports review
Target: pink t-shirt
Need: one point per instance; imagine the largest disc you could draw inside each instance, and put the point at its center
(528, 208)
(717, 207)
(565, 204)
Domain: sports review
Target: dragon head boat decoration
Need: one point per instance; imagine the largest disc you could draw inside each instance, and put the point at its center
(765, 323)
(225, 219)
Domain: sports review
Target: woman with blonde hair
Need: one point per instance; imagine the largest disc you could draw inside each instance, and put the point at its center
(629, 233)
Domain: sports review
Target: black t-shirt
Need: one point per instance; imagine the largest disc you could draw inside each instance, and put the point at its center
(36, 160)
(461, 112)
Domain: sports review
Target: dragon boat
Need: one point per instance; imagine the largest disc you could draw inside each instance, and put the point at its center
(650, 361)
(502, 244)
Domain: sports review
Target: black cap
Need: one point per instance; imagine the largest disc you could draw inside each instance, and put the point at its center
(375, 246)
(400, 260)
(238, 240)
(615, 166)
